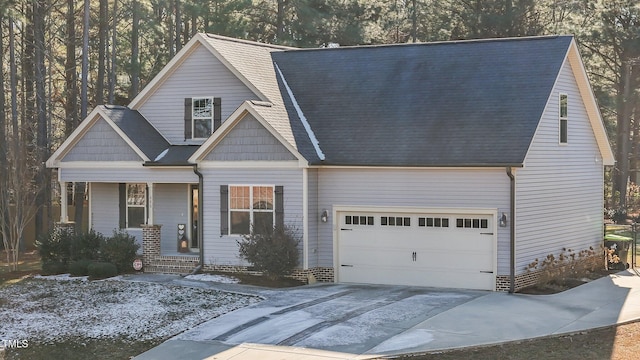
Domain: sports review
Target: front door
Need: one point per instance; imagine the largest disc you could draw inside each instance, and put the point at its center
(194, 217)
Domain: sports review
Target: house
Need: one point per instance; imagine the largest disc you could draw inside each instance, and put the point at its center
(449, 164)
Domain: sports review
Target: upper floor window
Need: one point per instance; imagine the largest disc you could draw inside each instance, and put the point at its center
(564, 118)
(202, 115)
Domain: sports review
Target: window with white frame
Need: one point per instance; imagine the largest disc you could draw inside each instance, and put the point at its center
(202, 117)
(251, 208)
(136, 205)
(564, 118)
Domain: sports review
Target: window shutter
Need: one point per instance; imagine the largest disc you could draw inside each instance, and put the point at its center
(187, 118)
(217, 113)
(122, 196)
(279, 200)
(224, 210)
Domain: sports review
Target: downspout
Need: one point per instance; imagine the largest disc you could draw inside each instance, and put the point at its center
(512, 231)
(200, 218)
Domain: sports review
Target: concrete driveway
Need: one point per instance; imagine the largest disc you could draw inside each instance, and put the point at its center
(338, 317)
(362, 320)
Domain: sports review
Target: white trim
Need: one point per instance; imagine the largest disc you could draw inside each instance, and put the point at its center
(303, 119)
(560, 119)
(100, 165)
(305, 219)
(246, 108)
(64, 216)
(149, 205)
(250, 164)
(360, 167)
(193, 118)
(90, 204)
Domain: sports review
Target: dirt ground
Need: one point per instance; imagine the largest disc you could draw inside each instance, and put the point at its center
(620, 342)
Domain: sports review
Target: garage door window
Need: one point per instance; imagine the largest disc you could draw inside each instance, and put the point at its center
(395, 221)
(358, 220)
(472, 223)
(433, 222)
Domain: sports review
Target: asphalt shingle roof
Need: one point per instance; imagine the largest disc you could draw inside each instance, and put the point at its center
(138, 129)
(462, 103)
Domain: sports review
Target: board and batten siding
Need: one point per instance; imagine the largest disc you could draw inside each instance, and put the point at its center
(200, 75)
(135, 174)
(249, 140)
(223, 250)
(101, 143)
(171, 207)
(559, 191)
(420, 188)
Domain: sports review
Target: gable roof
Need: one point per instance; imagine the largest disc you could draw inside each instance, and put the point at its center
(460, 103)
(129, 124)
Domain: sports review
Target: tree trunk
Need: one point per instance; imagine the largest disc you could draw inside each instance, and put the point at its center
(114, 32)
(135, 67)
(178, 26)
(4, 189)
(103, 29)
(42, 141)
(80, 188)
(623, 145)
(71, 77)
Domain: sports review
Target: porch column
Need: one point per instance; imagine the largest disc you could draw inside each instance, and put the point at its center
(150, 187)
(64, 217)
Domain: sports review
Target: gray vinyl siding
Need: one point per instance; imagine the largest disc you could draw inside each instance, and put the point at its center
(313, 216)
(101, 143)
(105, 211)
(171, 205)
(560, 189)
(137, 174)
(424, 188)
(249, 140)
(200, 75)
(223, 250)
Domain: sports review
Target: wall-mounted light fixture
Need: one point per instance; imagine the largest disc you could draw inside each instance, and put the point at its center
(324, 216)
(503, 220)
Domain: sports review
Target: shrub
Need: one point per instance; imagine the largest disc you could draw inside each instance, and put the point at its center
(101, 270)
(85, 246)
(272, 251)
(80, 267)
(54, 247)
(53, 268)
(120, 250)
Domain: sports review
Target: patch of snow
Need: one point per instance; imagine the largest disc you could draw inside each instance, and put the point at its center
(61, 277)
(213, 278)
(74, 307)
(161, 155)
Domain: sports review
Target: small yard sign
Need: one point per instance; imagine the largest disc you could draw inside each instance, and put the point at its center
(137, 264)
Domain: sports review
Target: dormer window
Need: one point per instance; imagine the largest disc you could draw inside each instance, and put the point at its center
(564, 118)
(202, 116)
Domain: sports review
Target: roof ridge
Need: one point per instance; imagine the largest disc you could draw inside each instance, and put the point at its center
(433, 43)
(248, 42)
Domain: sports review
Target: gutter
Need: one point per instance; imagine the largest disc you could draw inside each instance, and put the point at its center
(200, 218)
(512, 231)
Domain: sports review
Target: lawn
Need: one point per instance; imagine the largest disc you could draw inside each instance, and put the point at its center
(72, 318)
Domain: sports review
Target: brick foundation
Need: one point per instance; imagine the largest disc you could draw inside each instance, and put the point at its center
(153, 262)
(321, 274)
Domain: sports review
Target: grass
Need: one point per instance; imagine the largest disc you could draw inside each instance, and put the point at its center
(28, 264)
(80, 349)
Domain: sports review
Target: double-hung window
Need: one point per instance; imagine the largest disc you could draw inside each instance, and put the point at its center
(202, 116)
(251, 208)
(564, 118)
(136, 205)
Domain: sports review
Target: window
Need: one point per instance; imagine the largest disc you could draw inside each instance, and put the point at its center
(564, 118)
(395, 221)
(136, 205)
(472, 223)
(433, 222)
(202, 115)
(251, 205)
(358, 220)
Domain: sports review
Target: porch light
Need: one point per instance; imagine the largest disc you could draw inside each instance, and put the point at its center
(503, 220)
(324, 217)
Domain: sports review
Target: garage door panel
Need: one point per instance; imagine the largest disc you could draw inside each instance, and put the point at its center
(443, 250)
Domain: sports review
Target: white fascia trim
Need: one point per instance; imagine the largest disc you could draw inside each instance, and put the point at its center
(100, 165)
(124, 136)
(420, 168)
(230, 123)
(166, 71)
(303, 119)
(589, 100)
(249, 164)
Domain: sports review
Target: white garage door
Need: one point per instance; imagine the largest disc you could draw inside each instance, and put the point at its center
(420, 249)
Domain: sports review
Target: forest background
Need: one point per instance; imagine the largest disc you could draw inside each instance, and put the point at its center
(60, 58)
